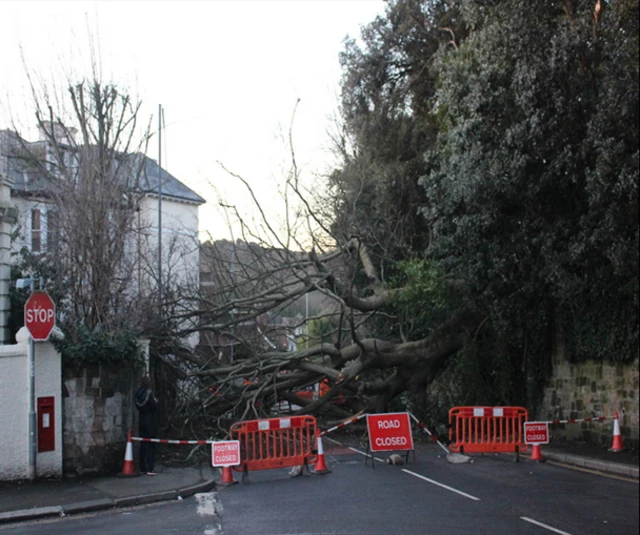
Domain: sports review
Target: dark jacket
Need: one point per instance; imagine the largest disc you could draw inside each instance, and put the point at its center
(145, 400)
(147, 404)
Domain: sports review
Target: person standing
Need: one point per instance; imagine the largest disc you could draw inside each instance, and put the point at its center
(147, 405)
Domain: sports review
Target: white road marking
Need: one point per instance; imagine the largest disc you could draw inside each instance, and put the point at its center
(532, 521)
(433, 482)
(447, 487)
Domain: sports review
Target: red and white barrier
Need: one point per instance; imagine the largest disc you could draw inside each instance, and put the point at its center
(166, 441)
(343, 424)
(433, 437)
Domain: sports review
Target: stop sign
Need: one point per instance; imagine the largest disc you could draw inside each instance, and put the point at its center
(39, 315)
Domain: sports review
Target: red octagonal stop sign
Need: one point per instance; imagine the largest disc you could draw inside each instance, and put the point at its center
(40, 315)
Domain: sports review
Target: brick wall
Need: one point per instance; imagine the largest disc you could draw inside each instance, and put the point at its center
(592, 388)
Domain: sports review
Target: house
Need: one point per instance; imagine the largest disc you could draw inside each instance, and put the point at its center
(158, 199)
(158, 248)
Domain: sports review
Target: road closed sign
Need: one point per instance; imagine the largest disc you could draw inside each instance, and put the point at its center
(225, 453)
(390, 431)
(536, 433)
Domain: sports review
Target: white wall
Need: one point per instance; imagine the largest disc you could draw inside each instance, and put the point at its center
(14, 408)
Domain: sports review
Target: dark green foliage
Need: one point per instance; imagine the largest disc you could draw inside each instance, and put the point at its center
(99, 347)
(520, 121)
(533, 191)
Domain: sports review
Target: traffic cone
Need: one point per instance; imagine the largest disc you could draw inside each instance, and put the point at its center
(227, 477)
(127, 466)
(536, 453)
(616, 443)
(320, 465)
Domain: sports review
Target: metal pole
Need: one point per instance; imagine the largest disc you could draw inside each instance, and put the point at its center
(160, 203)
(32, 405)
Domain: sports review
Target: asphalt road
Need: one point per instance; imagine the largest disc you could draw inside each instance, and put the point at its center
(493, 495)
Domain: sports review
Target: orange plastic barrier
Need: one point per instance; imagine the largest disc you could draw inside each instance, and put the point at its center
(487, 429)
(275, 442)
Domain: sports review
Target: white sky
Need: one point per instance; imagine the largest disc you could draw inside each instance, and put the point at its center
(227, 73)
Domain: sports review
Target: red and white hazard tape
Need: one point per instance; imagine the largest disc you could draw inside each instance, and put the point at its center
(434, 438)
(343, 424)
(165, 441)
(578, 420)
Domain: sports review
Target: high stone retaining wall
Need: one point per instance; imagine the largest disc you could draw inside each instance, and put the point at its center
(97, 414)
(589, 389)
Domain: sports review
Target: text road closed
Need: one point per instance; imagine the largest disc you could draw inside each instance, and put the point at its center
(225, 453)
(390, 431)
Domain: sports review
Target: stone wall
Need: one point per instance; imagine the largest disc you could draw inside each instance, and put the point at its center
(591, 389)
(97, 414)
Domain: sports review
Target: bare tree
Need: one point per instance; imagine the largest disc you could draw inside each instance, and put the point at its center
(238, 372)
(85, 172)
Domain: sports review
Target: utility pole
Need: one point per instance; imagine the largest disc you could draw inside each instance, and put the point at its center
(160, 204)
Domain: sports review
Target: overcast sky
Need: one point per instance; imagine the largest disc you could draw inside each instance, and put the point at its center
(227, 73)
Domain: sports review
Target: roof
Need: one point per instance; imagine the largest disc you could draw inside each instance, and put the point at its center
(153, 176)
(27, 179)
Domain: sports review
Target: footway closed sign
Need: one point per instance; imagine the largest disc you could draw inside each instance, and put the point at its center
(390, 431)
(225, 453)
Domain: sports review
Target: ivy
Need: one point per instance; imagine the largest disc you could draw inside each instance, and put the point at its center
(98, 347)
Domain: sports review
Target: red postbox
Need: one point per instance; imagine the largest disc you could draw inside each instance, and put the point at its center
(46, 424)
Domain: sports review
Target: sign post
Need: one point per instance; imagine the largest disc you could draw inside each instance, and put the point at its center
(39, 319)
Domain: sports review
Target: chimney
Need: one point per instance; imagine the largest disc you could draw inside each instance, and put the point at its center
(59, 132)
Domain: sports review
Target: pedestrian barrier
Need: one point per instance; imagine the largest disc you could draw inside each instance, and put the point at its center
(487, 429)
(275, 443)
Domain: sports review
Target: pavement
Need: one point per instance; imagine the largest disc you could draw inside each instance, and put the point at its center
(24, 500)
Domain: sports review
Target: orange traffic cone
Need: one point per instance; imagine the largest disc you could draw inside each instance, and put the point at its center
(227, 477)
(536, 453)
(321, 465)
(127, 465)
(616, 443)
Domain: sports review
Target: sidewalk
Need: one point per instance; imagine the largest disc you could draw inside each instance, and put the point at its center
(623, 463)
(27, 501)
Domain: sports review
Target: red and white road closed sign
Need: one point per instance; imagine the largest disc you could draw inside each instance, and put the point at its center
(390, 431)
(225, 453)
(536, 433)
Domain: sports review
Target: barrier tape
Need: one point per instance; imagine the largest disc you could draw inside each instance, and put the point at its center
(343, 424)
(165, 441)
(433, 437)
(578, 420)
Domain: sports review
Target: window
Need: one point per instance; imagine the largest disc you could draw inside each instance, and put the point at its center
(36, 231)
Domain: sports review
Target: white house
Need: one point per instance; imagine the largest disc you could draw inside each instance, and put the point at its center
(162, 202)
